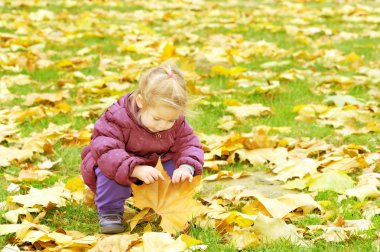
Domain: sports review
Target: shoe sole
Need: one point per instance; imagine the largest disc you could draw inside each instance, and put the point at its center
(112, 229)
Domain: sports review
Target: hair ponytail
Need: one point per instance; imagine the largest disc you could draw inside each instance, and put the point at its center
(163, 84)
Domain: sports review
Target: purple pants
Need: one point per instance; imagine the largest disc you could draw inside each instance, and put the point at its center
(110, 196)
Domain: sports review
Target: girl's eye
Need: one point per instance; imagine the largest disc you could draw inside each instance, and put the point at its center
(156, 119)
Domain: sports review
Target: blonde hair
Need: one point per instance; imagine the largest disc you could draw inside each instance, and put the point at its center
(163, 84)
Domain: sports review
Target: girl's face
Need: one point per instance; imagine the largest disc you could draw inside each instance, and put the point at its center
(159, 117)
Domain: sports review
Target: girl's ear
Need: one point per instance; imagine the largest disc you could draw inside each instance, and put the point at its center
(139, 101)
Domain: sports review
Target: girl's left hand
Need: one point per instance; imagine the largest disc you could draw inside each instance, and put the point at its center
(181, 174)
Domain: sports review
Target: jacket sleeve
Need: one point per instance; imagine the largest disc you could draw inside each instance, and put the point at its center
(108, 150)
(188, 149)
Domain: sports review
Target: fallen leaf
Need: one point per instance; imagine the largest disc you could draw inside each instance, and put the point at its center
(227, 174)
(214, 165)
(341, 100)
(363, 192)
(138, 217)
(281, 206)
(299, 184)
(9, 155)
(336, 181)
(332, 235)
(117, 242)
(75, 184)
(162, 242)
(243, 239)
(8, 130)
(226, 123)
(42, 197)
(29, 175)
(48, 164)
(46, 97)
(342, 229)
(173, 202)
(295, 168)
(10, 248)
(13, 215)
(269, 229)
(243, 111)
(260, 156)
(10, 228)
(190, 241)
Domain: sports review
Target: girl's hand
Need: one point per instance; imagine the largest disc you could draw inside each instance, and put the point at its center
(147, 173)
(181, 174)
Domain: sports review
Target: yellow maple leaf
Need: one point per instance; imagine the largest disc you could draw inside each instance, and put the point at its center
(222, 70)
(173, 202)
(75, 184)
(168, 51)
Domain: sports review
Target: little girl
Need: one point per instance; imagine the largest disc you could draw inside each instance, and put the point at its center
(130, 137)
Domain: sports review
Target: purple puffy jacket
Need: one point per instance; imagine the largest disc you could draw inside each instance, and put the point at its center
(119, 143)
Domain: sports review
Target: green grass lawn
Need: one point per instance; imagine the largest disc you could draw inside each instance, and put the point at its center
(81, 27)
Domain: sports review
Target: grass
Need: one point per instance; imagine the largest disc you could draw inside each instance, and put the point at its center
(210, 236)
(269, 28)
(73, 217)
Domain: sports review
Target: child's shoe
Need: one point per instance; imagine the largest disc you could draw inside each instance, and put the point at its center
(111, 222)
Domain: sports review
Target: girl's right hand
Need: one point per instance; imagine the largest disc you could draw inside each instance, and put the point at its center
(147, 173)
